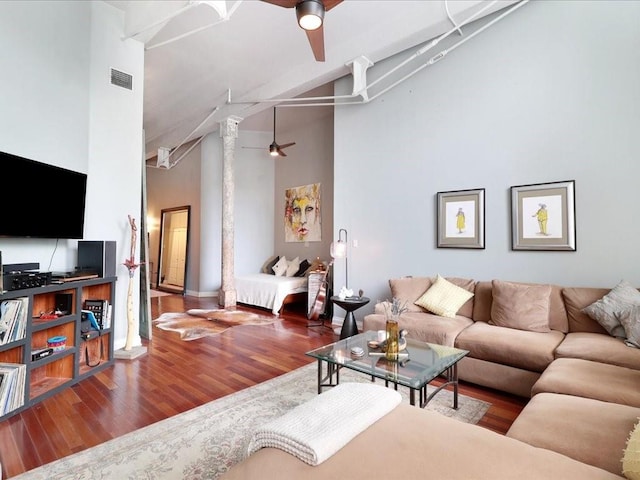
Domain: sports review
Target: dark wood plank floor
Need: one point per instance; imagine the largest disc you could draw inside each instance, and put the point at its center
(176, 376)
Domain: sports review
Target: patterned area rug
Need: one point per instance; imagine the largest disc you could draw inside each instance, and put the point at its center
(198, 323)
(206, 441)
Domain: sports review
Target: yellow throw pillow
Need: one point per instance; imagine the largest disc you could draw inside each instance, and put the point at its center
(444, 298)
(631, 458)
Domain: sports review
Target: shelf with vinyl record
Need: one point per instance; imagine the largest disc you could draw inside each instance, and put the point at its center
(43, 348)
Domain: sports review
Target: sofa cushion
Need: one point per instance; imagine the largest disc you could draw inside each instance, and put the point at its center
(598, 347)
(482, 303)
(630, 320)
(631, 457)
(531, 351)
(419, 443)
(505, 378)
(444, 298)
(425, 327)
(583, 378)
(521, 306)
(575, 299)
(590, 431)
(605, 310)
(409, 289)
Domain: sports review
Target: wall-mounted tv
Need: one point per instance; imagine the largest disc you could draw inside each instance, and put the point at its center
(40, 200)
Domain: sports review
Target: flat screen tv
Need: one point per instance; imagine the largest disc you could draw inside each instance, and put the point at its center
(40, 200)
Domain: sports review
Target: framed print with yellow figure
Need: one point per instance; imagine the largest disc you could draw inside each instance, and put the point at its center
(460, 219)
(302, 221)
(543, 216)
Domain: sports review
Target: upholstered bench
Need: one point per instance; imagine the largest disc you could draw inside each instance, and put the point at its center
(584, 378)
(598, 430)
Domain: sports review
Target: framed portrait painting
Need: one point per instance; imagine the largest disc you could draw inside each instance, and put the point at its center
(543, 216)
(302, 214)
(460, 217)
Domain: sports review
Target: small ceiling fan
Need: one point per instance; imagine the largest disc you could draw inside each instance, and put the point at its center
(275, 149)
(310, 14)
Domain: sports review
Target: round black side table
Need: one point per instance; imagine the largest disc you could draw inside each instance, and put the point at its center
(349, 304)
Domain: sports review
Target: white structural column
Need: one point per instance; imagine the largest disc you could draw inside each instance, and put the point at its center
(229, 133)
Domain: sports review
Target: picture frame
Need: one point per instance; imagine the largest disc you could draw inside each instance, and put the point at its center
(460, 219)
(543, 216)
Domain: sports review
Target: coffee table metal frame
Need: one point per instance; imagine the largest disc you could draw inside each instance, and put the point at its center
(418, 365)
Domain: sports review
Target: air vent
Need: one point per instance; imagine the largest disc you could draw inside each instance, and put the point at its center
(121, 79)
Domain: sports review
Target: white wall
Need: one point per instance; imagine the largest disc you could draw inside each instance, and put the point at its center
(176, 187)
(548, 94)
(253, 208)
(58, 107)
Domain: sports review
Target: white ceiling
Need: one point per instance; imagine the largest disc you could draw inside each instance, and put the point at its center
(259, 53)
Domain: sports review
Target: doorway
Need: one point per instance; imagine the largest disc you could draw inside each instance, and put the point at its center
(174, 249)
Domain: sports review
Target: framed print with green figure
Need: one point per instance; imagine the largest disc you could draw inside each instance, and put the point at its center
(543, 216)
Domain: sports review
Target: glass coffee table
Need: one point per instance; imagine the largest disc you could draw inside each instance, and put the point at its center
(419, 364)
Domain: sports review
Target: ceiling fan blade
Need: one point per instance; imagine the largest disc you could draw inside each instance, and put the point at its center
(287, 145)
(282, 3)
(329, 4)
(316, 40)
(281, 153)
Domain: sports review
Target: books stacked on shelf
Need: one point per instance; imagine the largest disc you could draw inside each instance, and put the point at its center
(101, 310)
(13, 319)
(12, 379)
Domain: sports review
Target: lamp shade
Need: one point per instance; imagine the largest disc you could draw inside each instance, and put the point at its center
(310, 14)
(338, 249)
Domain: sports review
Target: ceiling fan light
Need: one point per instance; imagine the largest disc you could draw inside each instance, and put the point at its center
(310, 14)
(273, 150)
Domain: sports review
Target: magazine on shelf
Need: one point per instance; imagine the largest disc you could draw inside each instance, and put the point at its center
(13, 319)
(12, 380)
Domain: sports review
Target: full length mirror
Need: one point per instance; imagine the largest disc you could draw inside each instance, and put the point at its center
(174, 248)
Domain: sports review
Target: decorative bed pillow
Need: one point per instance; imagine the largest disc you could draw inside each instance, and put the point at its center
(304, 266)
(444, 298)
(292, 267)
(521, 306)
(603, 311)
(267, 267)
(280, 268)
(630, 320)
(631, 457)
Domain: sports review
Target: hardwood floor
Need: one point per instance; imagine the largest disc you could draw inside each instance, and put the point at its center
(176, 376)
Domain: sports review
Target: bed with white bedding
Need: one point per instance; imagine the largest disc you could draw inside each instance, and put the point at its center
(266, 290)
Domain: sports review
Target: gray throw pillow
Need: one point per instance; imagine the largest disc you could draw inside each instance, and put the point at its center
(630, 320)
(605, 310)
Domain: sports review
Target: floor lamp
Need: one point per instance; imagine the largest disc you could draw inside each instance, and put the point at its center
(339, 250)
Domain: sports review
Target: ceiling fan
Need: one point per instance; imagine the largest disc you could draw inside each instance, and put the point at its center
(310, 14)
(275, 149)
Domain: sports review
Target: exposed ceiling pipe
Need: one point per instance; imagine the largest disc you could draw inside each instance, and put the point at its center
(173, 150)
(293, 102)
(443, 53)
(164, 20)
(436, 58)
(408, 60)
(446, 7)
(224, 16)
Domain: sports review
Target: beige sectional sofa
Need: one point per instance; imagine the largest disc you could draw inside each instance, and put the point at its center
(509, 359)
(584, 386)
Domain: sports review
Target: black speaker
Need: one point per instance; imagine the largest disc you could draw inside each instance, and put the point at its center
(64, 303)
(97, 256)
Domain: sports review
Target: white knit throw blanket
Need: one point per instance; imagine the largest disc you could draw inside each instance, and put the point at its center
(318, 428)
